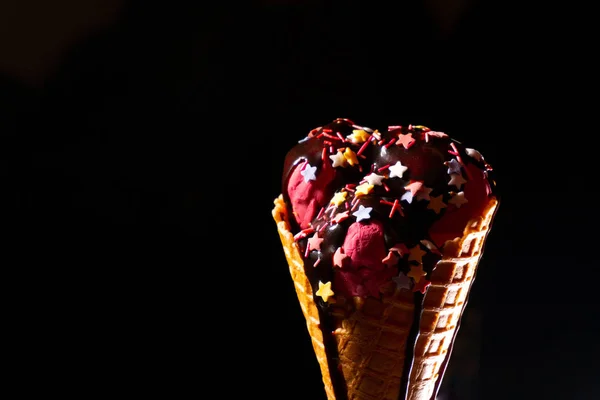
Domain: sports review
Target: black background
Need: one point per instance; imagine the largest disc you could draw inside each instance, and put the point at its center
(141, 149)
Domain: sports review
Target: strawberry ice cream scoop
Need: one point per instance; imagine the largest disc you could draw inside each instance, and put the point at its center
(364, 245)
(308, 193)
(376, 208)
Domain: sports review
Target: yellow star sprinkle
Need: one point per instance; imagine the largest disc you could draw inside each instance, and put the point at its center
(416, 273)
(436, 204)
(363, 189)
(339, 198)
(359, 136)
(325, 290)
(416, 254)
(350, 156)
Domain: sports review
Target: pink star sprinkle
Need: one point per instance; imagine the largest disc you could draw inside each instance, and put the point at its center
(391, 259)
(340, 217)
(314, 243)
(339, 257)
(400, 248)
(405, 140)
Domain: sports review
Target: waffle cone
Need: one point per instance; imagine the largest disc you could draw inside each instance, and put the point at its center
(371, 340)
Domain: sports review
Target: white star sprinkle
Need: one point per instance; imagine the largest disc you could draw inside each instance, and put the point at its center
(402, 281)
(338, 159)
(408, 197)
(374, 179)
(457, 180)
(309, 173)
(475, 154)
(458, 199)
(397, 170)
(362, 213)
(453, 166)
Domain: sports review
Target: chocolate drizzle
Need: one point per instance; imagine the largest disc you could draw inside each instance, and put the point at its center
(400, 207)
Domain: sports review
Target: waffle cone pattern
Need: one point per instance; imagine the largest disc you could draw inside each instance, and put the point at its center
(371, 341)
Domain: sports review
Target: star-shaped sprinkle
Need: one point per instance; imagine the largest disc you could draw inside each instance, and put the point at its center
(405, 140)
(400, 248)
(457, 180)
(436, 204)
(364, 189)
(314, 242)
(374, 179)
(414, 187)
(408, 197)
(338, 159)
(453, 166)
(339, 198)
(458, 199)
(359, 136)
(325, 291)
(391, 259)
(397, 170)
(309, 173)
(416, 272)
(362, 213)
(423, 193)
(416, 254)
(339, 257)
(350, 156)
(421, 286)
(437, 134)
(402, 281)
(340, 217)
(474, 154)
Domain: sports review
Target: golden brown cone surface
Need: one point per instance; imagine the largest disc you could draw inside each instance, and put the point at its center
(371, 335)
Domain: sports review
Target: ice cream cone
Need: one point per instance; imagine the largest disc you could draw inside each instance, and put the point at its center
(371, 334)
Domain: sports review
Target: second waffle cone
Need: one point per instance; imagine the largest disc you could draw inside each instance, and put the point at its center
(371, 340)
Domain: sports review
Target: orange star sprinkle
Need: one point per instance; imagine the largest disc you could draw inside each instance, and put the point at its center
(364, 189)
(359, 136)
(350, 156)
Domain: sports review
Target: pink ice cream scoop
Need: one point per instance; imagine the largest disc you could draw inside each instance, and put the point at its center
(309, 189)
(365, 273)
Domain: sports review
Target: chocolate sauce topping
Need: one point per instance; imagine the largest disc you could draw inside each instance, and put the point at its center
(345, 181)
